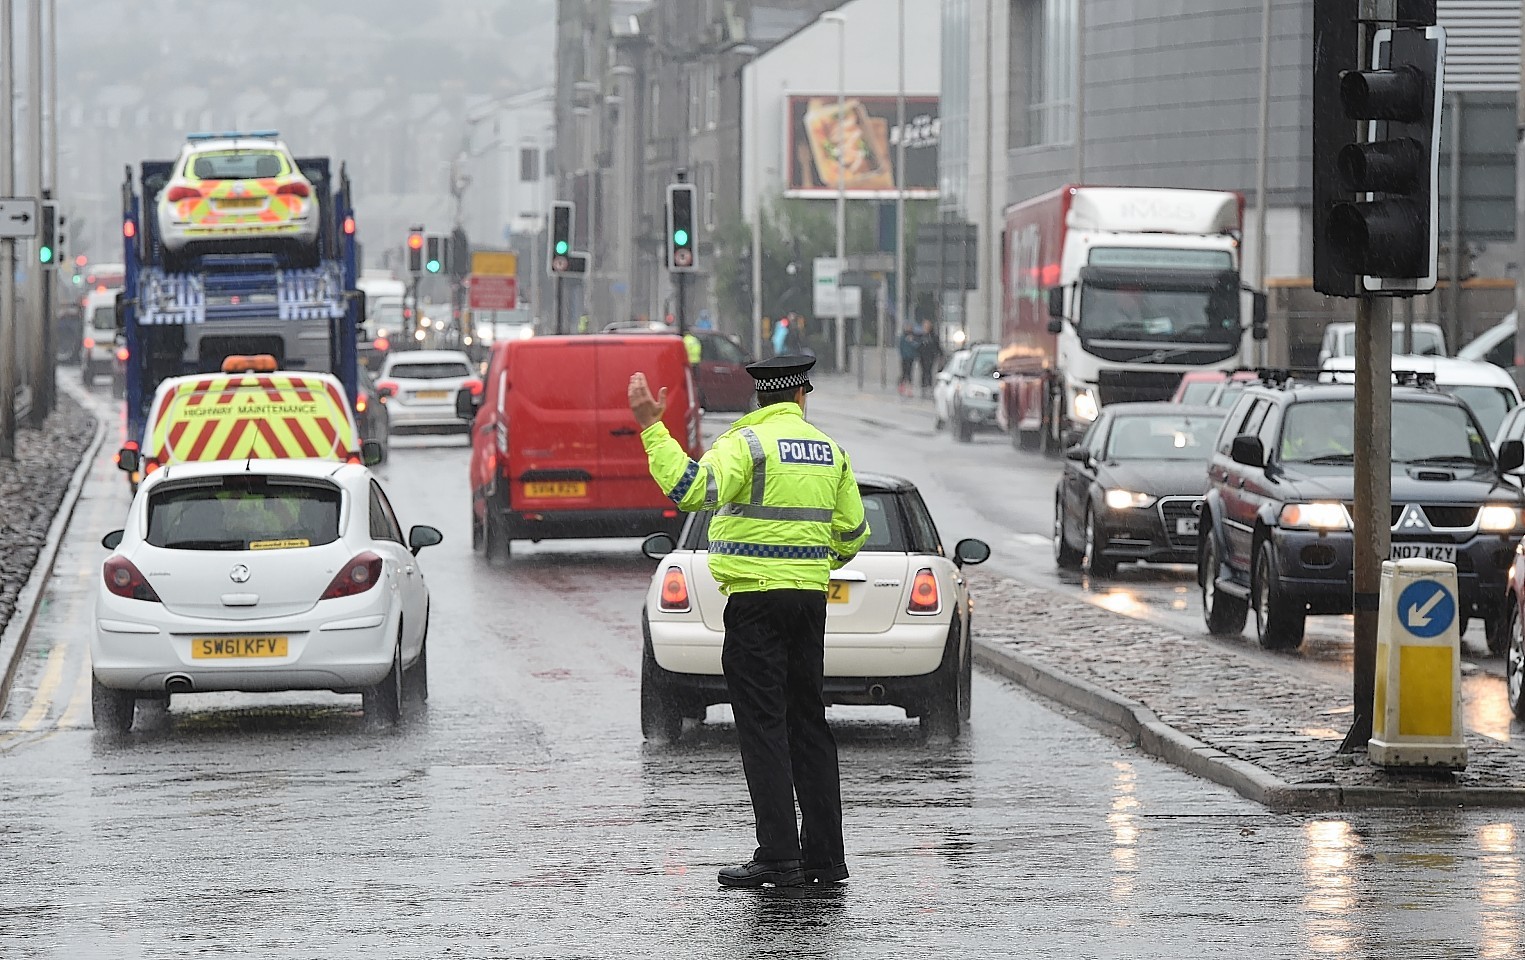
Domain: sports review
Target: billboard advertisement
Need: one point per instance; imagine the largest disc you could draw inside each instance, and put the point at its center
(869, 137)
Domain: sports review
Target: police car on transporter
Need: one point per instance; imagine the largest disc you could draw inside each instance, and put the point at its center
(1276, 528)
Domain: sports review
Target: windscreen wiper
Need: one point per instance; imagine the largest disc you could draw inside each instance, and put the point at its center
(1332, 458)
(1450, 458)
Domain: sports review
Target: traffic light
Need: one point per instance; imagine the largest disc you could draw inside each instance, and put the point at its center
(1376, 198)
(680, 228)
(559, 240)
(434, 259)
(47, 236)
(416, 250)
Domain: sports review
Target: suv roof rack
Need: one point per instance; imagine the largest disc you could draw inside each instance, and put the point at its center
(1283, 377)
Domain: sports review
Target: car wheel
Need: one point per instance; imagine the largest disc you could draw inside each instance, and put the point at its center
(118, 387)
(661, 719)
(942, 715)
(1093, 562)
(966, 678)
(962, 431)
(111, 710)
(1225, 613)
(1514, 664)
(476, 532)
(383, 702)
(87, 373)
(1497, 636)
(1279, 621)
(495, 534)
(1066, 557)
(415, 680)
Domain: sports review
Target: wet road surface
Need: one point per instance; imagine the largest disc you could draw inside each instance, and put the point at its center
(521, 815)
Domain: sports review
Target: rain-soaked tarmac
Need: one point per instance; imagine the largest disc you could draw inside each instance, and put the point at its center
(522, 816)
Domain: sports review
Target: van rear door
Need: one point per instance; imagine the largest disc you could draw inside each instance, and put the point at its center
(553, 430)
(626, 476)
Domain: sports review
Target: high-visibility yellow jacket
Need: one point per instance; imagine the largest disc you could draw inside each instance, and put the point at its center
(787, 509)
(694, 347)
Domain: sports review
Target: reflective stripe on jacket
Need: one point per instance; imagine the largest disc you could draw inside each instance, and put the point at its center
(787, 509)
(694, 347)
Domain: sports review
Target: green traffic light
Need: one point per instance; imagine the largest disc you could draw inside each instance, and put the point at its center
(561, 248)
(680, 237)
(45, 254)
(78, 279)
(432, 266)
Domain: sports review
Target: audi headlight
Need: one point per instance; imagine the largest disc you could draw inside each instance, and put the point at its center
(1084, 405)
(1497, 518)
(1315, 516)
(1127, 499)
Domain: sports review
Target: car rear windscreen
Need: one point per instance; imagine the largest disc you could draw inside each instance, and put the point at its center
(240, 165)
(1162, 437)
(446, 370)
(886, 526)
(244, 513)
(104, 318)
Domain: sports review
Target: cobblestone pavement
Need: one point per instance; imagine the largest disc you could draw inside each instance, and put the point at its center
(1286, 724)
(31, 488)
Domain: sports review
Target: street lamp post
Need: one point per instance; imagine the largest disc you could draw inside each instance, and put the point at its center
(840, 19)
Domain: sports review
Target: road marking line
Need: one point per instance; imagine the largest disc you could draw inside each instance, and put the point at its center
(73, 715)
(42, 701)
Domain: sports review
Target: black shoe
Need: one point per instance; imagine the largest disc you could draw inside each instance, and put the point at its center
(835, 873)
(755, 873)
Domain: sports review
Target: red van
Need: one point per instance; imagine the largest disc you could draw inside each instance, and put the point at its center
(555, 453)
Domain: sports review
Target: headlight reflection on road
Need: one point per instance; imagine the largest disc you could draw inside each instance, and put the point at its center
(1330, 897)
(1500, 893)
(1124, 823)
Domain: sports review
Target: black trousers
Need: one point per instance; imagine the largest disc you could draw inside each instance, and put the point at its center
(773, 660)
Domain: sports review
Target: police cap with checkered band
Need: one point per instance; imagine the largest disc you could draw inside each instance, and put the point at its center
(785, 372)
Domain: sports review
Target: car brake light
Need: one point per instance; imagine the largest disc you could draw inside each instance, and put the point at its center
(176, 194)
(129, 229)
(357, 576)
(924, 595)
(89, 343)
(382, 343)
(297, 189)
(360, 405)
(475, 386)
(125, 580)
(386, 388)
(674, 591)
(349, 226)
(121, 354)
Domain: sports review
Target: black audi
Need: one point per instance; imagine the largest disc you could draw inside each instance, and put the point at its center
(1132, 487)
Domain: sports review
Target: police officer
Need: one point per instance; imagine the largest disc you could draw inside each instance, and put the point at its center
(787, 513)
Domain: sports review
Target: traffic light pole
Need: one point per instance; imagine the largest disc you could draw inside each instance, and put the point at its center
(560, 282)
(1373, 496)
(680, 280)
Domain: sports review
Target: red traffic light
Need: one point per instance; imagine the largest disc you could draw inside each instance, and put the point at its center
(81, 260)
(415, 241)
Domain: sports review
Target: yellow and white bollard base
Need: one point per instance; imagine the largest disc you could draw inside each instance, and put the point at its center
(1416, 720)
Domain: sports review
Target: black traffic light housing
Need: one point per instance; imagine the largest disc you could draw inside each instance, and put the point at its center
(682, 243)
(434, 254)
(1375, 203)
(416, 250)
(47, 236)
(559, 238)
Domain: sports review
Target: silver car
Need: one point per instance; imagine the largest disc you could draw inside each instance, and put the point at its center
(420, 388)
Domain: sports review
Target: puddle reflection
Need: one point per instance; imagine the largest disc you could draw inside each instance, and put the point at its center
(1330, 900)
(1500, 893)
(1124, 823)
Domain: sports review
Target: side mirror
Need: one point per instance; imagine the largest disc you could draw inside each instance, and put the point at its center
(1076, 453)
(466, 404)
(371, 452)
(359, 296)
(120, 307)
(971, 552)
(1511, 455)
(658, 545)
(422, 536)
(129, 460)
(1055, 305)
(1248, 450)
(1258, 325)
(112, 540)
(1056, 325)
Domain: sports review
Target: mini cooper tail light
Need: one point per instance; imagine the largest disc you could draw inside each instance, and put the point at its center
(475, 386)
(127, 581)
(674, 591)
(297, 189)
(386, 388)
(176, 194)
(924, 593)
(355, 578)
(89, 343)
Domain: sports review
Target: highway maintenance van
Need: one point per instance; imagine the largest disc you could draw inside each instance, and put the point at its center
(555, 451)
(251, 410)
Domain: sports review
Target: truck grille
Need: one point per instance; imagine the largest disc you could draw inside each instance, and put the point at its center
(1136, 386)
(1180, 508)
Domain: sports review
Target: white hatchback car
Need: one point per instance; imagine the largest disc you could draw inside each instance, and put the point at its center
(897, 620)
(260, 575)
(420, 388)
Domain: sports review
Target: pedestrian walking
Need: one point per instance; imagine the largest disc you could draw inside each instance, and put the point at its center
(786, 513)
(930, 353)
(910, 349)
